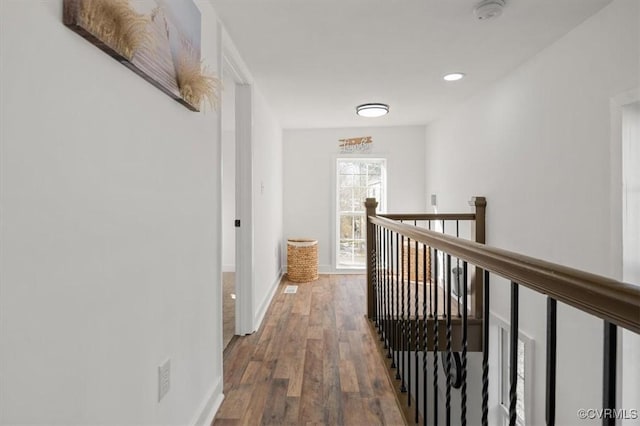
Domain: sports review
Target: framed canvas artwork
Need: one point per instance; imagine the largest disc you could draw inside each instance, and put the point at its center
(157, 39)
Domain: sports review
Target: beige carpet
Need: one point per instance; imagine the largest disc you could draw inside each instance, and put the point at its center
(228, 307)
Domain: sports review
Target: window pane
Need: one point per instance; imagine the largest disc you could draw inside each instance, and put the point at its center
(345, 181)
(346, 196)
(359, 227)
(359, 196)
(346, 227)
(346, 168)
(357, 179)
(360, 251)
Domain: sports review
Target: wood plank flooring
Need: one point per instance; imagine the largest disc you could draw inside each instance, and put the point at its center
(312, 362)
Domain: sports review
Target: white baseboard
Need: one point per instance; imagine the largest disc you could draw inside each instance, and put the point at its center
(325, 269)
(209, 406)
(330, 270)
(267, 301)
(345, 272)
(228, 268)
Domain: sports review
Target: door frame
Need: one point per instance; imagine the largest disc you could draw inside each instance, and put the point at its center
(617, 104)
(244, 258)
(626, 339)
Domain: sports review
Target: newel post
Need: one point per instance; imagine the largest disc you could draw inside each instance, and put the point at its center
(478, 235)
(370, 206)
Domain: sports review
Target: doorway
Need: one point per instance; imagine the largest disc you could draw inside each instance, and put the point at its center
(228, 149)
(236, 211)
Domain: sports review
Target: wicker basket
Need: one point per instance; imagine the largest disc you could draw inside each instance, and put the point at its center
(302, 260)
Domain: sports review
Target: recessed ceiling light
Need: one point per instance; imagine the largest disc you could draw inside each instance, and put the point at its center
(454, 76)
(372, 110)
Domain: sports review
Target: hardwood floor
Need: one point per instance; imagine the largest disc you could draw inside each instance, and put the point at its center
(313, 361)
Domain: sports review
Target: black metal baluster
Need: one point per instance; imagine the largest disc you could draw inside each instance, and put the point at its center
(408, 328)
(463, 390)
(396, 316)
(485, 350)
(513, 355)
(435, 341)
(385, 294)
(376, 277)
(431, 280)
(550, 388)
(403, 335)
(425, 349)
(448, 365)
(383, 288)
(379, 267)
(379, 279)
(374, 285)
(458, 269)
(416, 328)
(389, 293)
(609, 372)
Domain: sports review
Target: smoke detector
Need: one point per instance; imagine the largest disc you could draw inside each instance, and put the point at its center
(489, 9)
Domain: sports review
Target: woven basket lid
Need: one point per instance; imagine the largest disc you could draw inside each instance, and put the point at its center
(302, 242)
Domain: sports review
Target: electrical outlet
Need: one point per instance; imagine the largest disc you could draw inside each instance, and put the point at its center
(164, 379)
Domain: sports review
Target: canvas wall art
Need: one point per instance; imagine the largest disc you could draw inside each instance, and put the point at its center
(157, 39)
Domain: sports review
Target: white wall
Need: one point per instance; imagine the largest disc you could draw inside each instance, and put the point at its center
(108, 248)
(309, 182)
(267, 204)
(537, 145)
(228, 173)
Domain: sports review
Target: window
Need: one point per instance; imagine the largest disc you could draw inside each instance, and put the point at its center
(505, 371)
(356, 180)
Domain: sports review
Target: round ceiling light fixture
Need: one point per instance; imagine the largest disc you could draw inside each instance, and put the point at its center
(372, 110)
(489, 9)
(454, 76)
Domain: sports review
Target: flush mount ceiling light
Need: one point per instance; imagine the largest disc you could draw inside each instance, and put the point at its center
(372, 110)
(489, 9)
(454, 76)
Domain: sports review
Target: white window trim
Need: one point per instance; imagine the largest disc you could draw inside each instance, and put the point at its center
(497, 324)
(336, 194)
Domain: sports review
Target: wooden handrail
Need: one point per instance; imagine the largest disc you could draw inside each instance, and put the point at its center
(611, 300)
(429, 216)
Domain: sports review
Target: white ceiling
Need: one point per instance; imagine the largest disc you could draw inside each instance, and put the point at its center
(315, 60)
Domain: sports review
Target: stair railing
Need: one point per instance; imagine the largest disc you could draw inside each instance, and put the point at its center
(414, 313)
